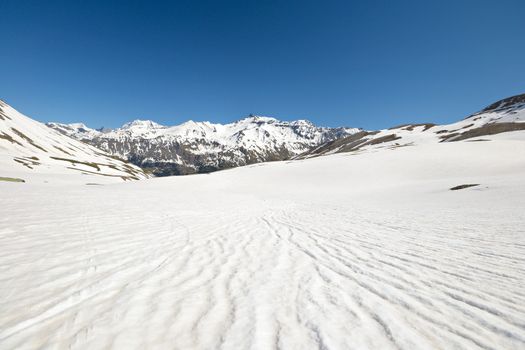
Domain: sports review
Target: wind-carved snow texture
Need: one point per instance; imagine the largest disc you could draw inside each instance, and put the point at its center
(366, 251)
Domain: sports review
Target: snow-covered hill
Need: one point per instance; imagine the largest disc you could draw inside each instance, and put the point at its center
(194, 147)
(504, 116)
(32, 152)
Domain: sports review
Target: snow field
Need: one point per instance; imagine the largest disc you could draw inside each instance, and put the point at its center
(350, 251)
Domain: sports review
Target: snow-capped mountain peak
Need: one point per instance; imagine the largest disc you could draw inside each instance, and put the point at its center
(509, 103)
(203, 146)
(142, 124)
(508, 110)
(80, 126)
(78, 131)
(256, 119)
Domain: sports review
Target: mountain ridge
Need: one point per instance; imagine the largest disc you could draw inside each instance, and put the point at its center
(503, 116)
(200, 147)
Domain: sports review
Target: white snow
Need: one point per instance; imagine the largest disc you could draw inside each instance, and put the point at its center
(347, 251)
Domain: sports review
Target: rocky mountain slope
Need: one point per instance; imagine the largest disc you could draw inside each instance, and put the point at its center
(198, 147)
(32, 152)
(503, 116)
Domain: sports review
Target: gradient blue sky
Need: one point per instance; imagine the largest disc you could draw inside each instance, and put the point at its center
(369, 64)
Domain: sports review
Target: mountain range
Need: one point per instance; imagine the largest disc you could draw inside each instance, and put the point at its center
(201, 147)
(140, 148)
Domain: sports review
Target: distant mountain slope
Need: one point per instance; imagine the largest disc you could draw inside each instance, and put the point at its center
(196, 147)
(30, 151)
(506, 115)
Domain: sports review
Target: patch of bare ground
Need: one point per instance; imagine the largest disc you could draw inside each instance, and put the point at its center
(487, 129)
(350, 143)
(28, 139)
(382, 139)
(9, 138)
(11, 179)
(28, 162)
(74, 162)
(125, 178)
(411, 127)
(62, 150)
(344, 144)
(3, 116)
(460, 187)
(133, 174)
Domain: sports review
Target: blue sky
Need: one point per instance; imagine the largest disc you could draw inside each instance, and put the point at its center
(368, 64)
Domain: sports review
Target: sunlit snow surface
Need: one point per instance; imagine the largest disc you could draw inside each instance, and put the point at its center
(348, 251)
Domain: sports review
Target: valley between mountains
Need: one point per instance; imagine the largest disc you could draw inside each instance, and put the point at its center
(354, 242)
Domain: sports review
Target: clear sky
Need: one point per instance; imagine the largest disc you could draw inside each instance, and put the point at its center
(367, 63)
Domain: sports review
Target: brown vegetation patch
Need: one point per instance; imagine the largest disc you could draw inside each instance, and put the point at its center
(3, 115)
(62, 150)
(8, 137)
(11, 179)
(345, 144)
(31, 142)
(487, 129)
(125, 178)
(382, 139)
(411, 127)
(74, 162)
(28, 162)
(23, 163)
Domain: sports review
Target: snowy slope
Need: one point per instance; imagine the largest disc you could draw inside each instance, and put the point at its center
(202, 146)
(30, 151)
(77, 131)
(363, 250)
(503, 117)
